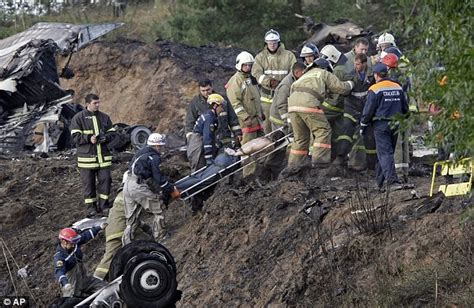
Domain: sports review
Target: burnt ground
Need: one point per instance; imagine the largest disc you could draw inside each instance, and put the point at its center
(250, 246)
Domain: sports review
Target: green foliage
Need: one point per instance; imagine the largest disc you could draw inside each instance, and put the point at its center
(441, 46)
(238, 23)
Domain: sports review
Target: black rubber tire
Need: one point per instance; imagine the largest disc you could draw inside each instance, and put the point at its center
(124, 254)
(139, 136)
(148, 281)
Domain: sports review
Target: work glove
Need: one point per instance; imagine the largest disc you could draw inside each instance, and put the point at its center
(101, 138)
(209, 161)
(274, 83)
(67, 290)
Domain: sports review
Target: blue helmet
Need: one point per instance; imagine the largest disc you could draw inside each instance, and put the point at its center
(394, 50)
(323, 64)
(309, 50)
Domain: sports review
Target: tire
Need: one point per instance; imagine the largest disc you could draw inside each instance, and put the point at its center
(148, 281)
(139, 136)
(124, 254)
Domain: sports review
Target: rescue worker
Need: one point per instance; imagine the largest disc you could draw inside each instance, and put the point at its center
(144, 171)
(229, 131)
(384, 41)
(308, 119)
(280, 119)
(69, 268)
(309, 53)
(361, 46)
(399, 71)
(91, 131)
(206, 127)
(113, 235)
(333, 106)
(271, 65)
(205, 137)
(244, 96)
(361, 152)
(385, 100)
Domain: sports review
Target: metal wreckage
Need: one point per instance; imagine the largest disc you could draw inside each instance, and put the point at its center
(35, 111)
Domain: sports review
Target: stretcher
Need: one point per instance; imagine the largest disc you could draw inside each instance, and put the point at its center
(209, 176)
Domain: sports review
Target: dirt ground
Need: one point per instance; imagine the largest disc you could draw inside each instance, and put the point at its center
(250, 246)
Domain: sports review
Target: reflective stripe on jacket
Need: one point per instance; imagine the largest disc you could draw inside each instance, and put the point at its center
(311, 89)
(84, 125)
(272, 65)
(228, 122)
(207, 125)
(244, 96)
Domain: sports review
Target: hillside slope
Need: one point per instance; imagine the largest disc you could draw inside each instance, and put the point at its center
(250, 246)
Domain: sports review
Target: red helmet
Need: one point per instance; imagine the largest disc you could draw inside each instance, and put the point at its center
(390, 60)
(68, 234)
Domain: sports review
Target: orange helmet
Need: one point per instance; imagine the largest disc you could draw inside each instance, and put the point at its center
(390, 60)
(68, 234)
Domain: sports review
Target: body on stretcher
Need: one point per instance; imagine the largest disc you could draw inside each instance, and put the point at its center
(230, 162)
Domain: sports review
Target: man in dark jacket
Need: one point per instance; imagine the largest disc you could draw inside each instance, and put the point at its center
(361, 151)
(68, 263)
(385, 100)
(229, 128)
(144, 172)
(91, 131)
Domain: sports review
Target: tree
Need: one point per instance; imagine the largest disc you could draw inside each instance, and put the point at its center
(439, 34)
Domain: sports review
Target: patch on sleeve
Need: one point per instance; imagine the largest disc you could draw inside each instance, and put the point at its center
(59, 263)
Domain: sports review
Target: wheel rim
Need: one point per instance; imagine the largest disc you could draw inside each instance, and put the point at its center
(149, 280)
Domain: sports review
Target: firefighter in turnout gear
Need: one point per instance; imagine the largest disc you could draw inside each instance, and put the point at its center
(309, 53)
(361, 151)
(333, 106)
(228, 132)
(244, 96)
(384, 101)
(69, 268)
(279, 116)
(91, 131)
(271, 65)
(143, 175)
(113, 235)
(308, 119)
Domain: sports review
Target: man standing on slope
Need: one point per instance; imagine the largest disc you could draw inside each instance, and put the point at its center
(243, 94)
(91, 130)
(385, 100)
(271, 65)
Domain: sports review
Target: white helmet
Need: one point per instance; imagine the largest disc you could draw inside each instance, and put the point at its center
(156, 139)
(309, 50)
(272, 36)
(242, 58)
(386, 38)
(329, 52)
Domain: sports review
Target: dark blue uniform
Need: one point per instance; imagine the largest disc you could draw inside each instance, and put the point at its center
(64, 261)
(207, 125)
(146, 164)
(385, 99)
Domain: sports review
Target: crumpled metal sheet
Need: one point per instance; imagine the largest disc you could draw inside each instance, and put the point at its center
(21, 51)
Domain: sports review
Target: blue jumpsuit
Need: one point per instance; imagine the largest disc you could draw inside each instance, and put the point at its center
(385, 99)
